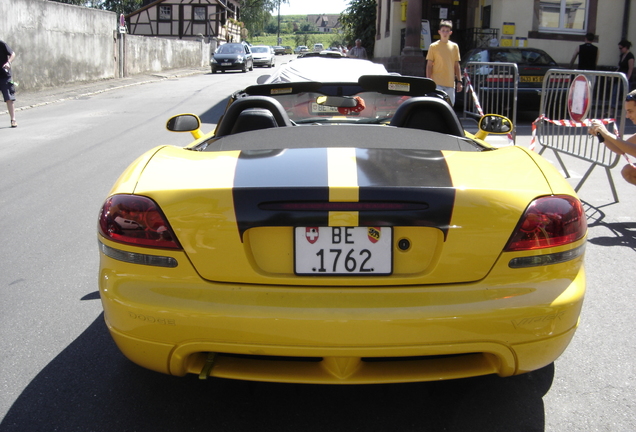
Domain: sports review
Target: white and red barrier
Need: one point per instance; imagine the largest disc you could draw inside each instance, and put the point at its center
(572, 123)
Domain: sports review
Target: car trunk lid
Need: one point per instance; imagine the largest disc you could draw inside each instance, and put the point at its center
(234, 212)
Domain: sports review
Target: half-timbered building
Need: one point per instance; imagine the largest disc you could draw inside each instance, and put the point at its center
(188, 19)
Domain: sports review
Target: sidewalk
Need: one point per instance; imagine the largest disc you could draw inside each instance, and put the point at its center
(27, 100)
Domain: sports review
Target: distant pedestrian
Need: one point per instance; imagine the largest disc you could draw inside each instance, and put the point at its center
(442, 64)
(358, 51)
(587, 54)
(6, 83)
(626, 61)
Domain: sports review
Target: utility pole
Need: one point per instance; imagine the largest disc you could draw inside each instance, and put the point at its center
(278, 41)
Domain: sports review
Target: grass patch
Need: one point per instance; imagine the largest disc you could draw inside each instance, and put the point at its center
(293, 40)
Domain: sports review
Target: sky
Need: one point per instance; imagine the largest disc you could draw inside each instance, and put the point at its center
(306, 7)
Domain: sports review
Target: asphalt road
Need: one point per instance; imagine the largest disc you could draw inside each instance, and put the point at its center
(60, 370)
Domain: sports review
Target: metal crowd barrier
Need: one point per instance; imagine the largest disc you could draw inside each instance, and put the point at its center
(556, 131)
(491, 88)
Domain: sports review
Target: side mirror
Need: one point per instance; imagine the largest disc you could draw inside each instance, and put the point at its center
(185, 123)
(493, 124)
(261, 79)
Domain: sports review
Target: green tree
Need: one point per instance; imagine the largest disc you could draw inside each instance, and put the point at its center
(306, 39)
(118, 6)
(256, 14)
(308, 27)
(121, 6)
(358, 22)
(73, 2)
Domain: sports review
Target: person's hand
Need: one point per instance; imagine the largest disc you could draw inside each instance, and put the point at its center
(596, 128)
(599, 130)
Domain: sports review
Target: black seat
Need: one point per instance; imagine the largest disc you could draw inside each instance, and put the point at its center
(252, 113)
(254, 119)
(427, 113)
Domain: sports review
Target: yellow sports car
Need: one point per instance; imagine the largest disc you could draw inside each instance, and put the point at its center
(343, 231)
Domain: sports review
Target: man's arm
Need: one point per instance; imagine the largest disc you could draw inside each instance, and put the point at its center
(620, 146)
(458, 77)
(576, 53)
(612, 142)
(429, 69)
(9, 60)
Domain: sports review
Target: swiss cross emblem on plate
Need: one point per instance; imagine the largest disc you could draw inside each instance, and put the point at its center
(311, 234)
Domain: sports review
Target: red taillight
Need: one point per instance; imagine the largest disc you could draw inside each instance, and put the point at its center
(549, 222)
(136, 220)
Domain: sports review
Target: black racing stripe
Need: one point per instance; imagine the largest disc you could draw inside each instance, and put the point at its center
(294, 175)
(394, 175)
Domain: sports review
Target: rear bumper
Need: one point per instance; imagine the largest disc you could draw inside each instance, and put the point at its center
(171, 323)
(234, 66)
(343, 366)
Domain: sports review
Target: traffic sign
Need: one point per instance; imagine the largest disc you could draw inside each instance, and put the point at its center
(579, 98)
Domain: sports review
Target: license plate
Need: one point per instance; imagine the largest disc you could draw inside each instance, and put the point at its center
(360, 251)
(323, 109)
(226, 64)
(531, 78)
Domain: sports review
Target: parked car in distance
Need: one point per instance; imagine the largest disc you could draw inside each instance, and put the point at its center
(232, 56)
(288, 49)
(263, 55)
(490, 83)
(279, 50)
(301, 49)
(318, 47)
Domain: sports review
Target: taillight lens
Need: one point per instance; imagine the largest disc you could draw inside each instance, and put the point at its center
(549, 222)
(136, 220)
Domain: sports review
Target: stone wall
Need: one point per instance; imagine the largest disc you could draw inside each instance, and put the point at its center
(58, 44)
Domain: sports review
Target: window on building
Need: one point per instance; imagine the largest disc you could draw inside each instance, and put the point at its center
(165, 13)
(199, 13)
(563, 16)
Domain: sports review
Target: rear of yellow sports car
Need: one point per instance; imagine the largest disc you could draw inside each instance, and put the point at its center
(342, 265)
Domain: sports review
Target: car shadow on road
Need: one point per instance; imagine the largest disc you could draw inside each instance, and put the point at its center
(91, 386)
(212, 115)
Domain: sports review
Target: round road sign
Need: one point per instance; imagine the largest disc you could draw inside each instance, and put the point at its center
(579, 98)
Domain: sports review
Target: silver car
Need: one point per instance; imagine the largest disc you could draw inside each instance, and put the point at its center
(263, 55)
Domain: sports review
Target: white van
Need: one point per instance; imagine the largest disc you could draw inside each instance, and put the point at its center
(318, 47)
